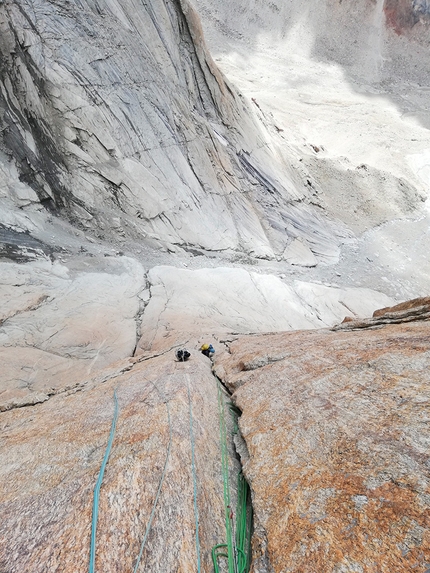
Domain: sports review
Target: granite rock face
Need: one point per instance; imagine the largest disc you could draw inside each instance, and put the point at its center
(54, 453)
(61, 325)
(216, 302)
(418, 307)
(334, 438)
(116, 118)
(336, 429)
(58, 329)
(126, 155)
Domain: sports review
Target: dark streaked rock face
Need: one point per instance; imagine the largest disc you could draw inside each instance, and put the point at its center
(118, 120)
(21, 247)
(403, 15)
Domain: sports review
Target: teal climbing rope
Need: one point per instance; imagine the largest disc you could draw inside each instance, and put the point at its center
(237, 548)
(98, 485)
(193, 465)
(160, 484)
(100, 479)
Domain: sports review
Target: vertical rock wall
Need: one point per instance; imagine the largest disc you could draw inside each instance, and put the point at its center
(117, 118)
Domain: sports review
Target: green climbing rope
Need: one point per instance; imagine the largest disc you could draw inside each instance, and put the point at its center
(237, 550)
(98, 485)
(243, 524)
(193, 465)
(226, 486)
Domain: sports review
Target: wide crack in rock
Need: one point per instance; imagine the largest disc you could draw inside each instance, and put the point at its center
(337, 439)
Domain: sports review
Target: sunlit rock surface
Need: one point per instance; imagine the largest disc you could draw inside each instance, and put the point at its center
(61, 325)
(57, 329)
(335, 449)
(52, 453)
(336, 428)
(149, 203)
(220, 301)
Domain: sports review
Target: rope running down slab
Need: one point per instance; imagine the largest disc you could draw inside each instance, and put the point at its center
(237, 550)
(98, 485)
(100, 479)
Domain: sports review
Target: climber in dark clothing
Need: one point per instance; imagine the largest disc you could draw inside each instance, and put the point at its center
(182, 355)
(208, 350)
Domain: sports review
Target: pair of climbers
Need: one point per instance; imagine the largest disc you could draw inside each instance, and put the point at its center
(182, 354)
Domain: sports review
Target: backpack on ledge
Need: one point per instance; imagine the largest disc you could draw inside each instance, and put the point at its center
(182, 355)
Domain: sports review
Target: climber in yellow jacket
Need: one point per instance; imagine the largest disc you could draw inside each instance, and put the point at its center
(208, 350)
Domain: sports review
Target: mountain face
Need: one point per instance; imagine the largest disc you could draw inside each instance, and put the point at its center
(333, 442)
(336, 435)
(116, 119)
(112, 112)
(264, 192)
